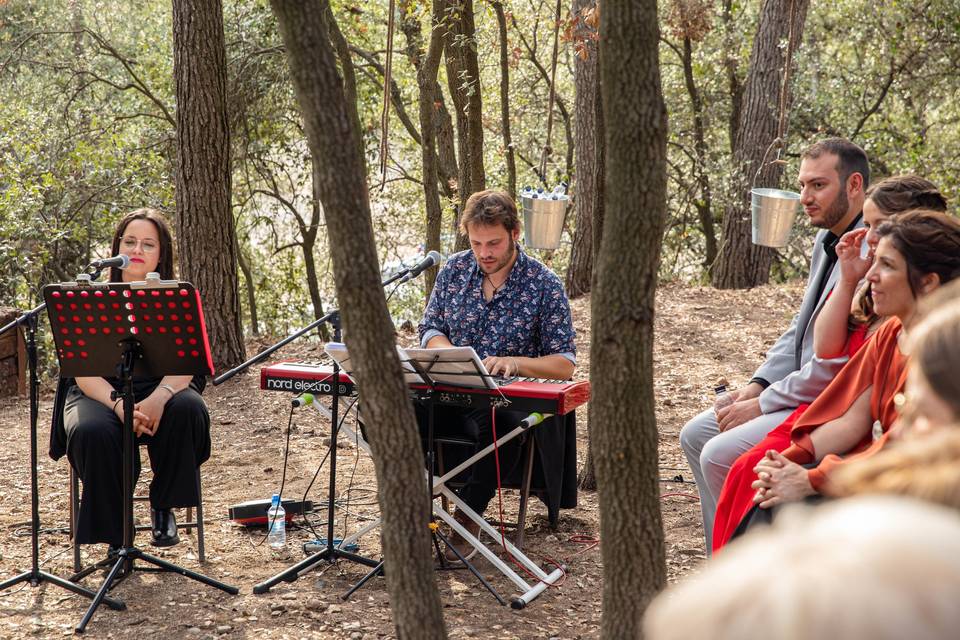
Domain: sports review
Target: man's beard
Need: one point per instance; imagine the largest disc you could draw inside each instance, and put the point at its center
(503, 263)
(835, 213)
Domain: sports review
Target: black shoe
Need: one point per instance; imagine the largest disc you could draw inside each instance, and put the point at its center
(164, 528)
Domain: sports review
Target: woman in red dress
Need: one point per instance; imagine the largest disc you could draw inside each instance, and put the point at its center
(854, 412)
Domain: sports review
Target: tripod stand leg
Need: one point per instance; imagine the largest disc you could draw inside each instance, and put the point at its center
(187, 573)
(292, 573)
(377, 570)
(469, 565)
(102, 593)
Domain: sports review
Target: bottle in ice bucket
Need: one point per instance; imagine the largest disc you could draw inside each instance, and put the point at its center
(277, 524)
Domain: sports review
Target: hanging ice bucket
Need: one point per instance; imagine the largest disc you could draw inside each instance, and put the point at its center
(543, 221)
(774, 211)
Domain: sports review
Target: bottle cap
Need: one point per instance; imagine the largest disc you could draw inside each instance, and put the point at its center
(275, 500)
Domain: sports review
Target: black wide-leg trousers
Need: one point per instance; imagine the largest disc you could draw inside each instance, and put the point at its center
(94, 448)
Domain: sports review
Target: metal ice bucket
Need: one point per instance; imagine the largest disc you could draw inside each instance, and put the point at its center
(774, 211)
(543, 221)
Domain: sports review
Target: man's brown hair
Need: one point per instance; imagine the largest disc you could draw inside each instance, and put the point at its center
(489, 208)
(850, 158)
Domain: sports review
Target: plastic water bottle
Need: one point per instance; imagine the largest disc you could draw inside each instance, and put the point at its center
(723, 397)
(277, 522)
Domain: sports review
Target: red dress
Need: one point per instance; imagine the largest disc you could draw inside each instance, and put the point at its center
(736, 497)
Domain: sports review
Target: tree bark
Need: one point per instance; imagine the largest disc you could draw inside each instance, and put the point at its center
(205, 226)
(430, 103)
(622, 407)
(588, 141)
(740, 263)
(704, 203)
(505, 101)
(398, 460)
(463, 78)
(250, 289)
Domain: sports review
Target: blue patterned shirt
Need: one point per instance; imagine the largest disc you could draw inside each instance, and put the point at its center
(528, 316)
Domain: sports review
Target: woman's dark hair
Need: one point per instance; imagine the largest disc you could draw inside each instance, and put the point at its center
(165, 262)
(929, 242)
(894, 195)
(897, 194)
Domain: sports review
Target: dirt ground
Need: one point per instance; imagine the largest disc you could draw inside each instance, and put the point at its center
(702, 334)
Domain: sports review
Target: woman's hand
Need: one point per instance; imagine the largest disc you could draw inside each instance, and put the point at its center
(780, 480)
(151, 410)
(853, 267)
(139, 418)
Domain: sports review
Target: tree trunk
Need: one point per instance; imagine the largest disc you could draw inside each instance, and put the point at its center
(588, 175)
(505, 101)
(349, 76)
(205, 226)
(741, 264)
(704, 203)
(463, 78)
(398, 460)
(250, 290)
(625, 428)
(429, 104)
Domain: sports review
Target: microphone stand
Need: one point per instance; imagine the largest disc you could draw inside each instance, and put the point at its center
(34, 575)
(330, 553)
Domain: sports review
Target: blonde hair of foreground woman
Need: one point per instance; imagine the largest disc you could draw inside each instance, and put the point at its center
(866, 568)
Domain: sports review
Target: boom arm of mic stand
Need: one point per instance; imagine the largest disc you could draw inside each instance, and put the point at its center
(260, 357)
(24, 319)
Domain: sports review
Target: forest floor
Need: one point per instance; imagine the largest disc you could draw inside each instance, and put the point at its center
(701, 335)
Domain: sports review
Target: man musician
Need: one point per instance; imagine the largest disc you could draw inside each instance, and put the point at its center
(512, 310)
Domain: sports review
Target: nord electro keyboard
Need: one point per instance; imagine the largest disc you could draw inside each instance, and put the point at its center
(519, 394)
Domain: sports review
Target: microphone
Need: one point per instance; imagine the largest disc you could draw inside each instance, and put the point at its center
(121, 262)
(303, 399)
(432, 258)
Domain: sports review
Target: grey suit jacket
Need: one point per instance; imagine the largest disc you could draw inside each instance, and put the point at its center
(795, 373)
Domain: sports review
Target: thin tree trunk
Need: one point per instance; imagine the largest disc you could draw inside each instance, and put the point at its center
(205, 226)
(730, 65)
(742, 264)
(250, 289)
(588, 175)
(505, 101)
(398, 460)
(625, 428)
(347, 72)
(429, 105)
(704, 204)
(463, 77)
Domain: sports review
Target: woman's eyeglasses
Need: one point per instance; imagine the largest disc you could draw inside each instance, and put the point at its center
(147, 246)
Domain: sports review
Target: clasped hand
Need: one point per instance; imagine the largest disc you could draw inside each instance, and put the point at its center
(146, 414)
(780, 480)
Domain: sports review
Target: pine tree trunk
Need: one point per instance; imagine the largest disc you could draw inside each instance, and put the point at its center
(588, 176)
(463, 78)
(205, 227)
(505, 101)
(622, 407)
(742, 264)
(427, 67)
(398, 460)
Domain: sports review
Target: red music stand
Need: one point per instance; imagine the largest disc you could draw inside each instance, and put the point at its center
(122, 330)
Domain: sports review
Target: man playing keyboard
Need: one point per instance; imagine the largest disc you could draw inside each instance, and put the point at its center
(514, 313)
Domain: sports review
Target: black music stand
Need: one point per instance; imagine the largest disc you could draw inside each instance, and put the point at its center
(34, 575)
(147, 329)
(331, 553)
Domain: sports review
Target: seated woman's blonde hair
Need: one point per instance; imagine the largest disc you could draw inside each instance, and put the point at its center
(867, 568)
(927, 468)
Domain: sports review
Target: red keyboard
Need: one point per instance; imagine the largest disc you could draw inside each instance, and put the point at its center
(520, 394)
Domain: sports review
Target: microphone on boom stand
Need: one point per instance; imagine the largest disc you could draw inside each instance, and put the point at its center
(431, 259)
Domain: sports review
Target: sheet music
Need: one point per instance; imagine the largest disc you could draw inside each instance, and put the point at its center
(459, 366)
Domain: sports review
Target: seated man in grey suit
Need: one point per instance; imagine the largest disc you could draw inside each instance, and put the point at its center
(834, 173)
